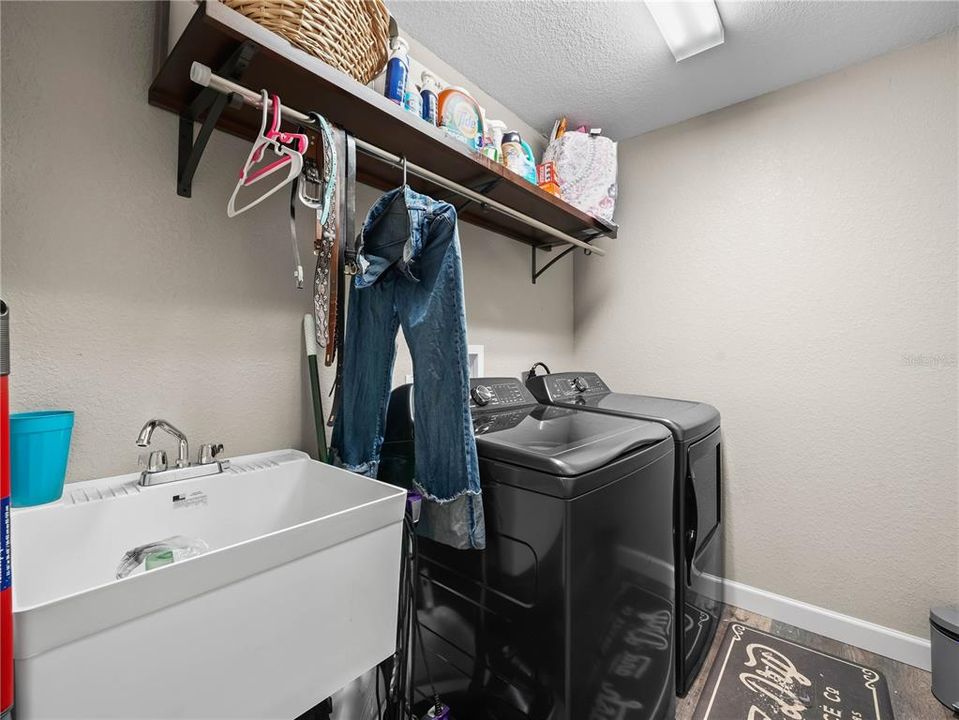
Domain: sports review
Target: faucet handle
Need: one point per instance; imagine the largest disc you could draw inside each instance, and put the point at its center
(154, 462)
(208, 453)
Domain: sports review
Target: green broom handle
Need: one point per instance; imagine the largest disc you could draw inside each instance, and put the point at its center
(309, 335)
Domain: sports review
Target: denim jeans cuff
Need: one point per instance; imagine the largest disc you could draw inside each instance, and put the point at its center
(368, 468)
(457, 521)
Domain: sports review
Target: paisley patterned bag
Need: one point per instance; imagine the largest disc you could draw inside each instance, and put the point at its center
(586, 170)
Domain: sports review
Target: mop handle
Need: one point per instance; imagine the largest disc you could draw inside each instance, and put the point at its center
(6, 571)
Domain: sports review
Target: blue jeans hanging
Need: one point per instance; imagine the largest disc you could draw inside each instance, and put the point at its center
(411, 276)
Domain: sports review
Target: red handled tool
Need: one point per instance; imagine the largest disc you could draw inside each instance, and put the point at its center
(6, 571)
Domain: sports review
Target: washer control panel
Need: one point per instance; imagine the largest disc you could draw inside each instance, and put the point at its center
(504, 419)
(559, 387)
(498, 393)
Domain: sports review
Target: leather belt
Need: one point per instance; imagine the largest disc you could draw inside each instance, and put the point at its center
(297, 265)
(350, 237)
(346, 205)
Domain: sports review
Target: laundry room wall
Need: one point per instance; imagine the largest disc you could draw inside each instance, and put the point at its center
(128, 301)
(793, 261)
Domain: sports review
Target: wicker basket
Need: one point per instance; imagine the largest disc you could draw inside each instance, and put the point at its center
(350, 35)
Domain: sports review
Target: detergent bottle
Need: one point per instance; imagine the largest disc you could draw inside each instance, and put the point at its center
(518, 156)
(530, 173)
(397, 71)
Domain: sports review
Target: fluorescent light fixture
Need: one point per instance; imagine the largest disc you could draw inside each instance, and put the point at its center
(689, 27)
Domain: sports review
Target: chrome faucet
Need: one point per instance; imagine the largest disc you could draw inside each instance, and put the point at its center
(157, 471)
(183, 450)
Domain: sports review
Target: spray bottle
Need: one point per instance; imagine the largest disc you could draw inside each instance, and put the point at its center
(397, 71)
(430, 96)
(6, 570)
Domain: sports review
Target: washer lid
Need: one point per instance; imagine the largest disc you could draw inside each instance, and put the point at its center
(946, 617)
(687, 420)
(560, 441)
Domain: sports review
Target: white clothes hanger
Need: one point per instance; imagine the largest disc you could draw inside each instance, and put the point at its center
(288, 146)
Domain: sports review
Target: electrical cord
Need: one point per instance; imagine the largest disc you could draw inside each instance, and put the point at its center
(396, 705)
(532, 370)
(411, 618)
(379, 702)
(426, 666)
(419, 630)
(399, 680)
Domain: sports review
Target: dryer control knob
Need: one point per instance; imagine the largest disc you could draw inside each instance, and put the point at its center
(580, 384)
(481, 395)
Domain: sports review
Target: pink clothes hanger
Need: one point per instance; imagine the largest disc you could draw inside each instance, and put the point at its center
(289, 147)
(277, 135)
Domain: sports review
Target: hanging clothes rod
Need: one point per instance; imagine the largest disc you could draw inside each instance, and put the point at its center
(203, 75)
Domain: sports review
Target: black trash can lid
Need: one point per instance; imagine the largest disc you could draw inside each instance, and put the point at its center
(946, 617)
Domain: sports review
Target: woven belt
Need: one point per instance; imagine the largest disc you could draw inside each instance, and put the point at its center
(325, 234)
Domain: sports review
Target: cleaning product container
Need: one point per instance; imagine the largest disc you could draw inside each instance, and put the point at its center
(461, 116)
(39, 446)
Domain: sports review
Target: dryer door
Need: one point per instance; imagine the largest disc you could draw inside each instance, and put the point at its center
(703, 495)
(702, 556)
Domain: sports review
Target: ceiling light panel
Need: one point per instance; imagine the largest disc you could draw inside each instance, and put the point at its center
(688, 27)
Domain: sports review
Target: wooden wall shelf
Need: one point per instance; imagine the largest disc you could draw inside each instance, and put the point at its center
(214, 35)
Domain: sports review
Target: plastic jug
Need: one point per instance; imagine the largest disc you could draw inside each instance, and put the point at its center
(518, 156)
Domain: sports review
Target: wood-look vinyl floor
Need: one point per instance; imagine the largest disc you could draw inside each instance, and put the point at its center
(909, 687)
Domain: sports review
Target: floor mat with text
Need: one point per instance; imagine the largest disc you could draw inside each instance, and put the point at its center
(758, 676)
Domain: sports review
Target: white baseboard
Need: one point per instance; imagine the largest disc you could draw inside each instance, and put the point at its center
(869, 636)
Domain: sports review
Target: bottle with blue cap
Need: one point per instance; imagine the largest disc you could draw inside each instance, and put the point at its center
(430, 96)
(397, 71)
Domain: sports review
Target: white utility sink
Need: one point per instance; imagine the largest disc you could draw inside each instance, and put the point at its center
(296, 596)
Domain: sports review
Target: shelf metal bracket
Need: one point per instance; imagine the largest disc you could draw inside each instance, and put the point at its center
(212, 103)
(482, 190)
(534, 273)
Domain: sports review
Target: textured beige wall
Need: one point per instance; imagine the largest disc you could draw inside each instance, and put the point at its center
(128, 301)
(792, 260)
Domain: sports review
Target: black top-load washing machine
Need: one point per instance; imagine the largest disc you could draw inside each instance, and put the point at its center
(698, 527)
(568, 613)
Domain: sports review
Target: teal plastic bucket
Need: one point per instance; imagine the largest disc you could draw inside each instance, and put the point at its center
(39, 447)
